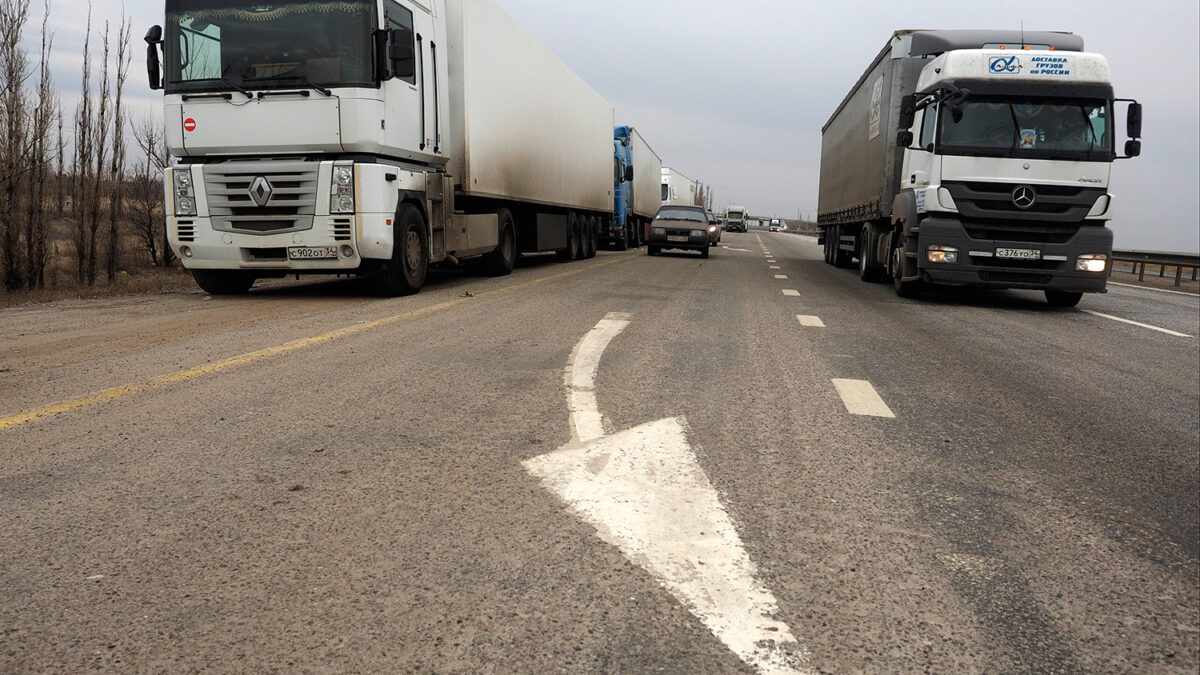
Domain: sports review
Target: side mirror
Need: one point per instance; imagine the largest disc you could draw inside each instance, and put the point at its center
(908, 111)
(904, 139)
(1133, 148)
(1133, 120)
(628, 173)
(153, 67)
(401, 53)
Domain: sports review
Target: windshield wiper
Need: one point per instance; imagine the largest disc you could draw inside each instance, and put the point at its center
(1091, 130)
(1012, 150)
(293, 75)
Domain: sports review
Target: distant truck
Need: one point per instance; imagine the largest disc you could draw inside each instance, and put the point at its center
(637, 175)
(372, 137)
(735, 218)
(976, 158)
(677, 188)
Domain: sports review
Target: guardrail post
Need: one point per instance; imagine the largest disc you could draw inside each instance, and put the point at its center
(1194, 271)
(1178, 275)
(1142, 274)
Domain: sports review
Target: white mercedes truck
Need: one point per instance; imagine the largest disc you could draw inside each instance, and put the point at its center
(372, 137)
(976, 158)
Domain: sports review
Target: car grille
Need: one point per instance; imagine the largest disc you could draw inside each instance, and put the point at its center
(291, 205)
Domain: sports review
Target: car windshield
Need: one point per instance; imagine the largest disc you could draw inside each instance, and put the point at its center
(1040, 129)
(215, 45)
(681, 214)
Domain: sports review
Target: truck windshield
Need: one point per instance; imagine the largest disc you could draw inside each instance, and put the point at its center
(1073, 130)
(220, 45)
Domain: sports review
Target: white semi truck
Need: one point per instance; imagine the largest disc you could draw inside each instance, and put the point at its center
(677, 188)
(372, 137)
(976, 158)
(735, 218)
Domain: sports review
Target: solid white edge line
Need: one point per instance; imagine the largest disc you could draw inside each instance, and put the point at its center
(1156, 290)
(860, 398)
(810, 321)
(1136, 323)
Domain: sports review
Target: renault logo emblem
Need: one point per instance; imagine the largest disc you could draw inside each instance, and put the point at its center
(260, 191)
(1024, 197)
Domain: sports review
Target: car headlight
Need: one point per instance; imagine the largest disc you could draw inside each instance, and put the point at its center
(712, 228)
(185, 196)
(943, 254)
(341, 190)
(658, 230)
(1094, 262)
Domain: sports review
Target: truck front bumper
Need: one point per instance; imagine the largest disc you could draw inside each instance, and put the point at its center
(978, 265)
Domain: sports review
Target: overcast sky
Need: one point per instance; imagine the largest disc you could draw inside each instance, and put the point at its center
(734, 94)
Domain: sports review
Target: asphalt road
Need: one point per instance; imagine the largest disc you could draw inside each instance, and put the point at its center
(308, 479)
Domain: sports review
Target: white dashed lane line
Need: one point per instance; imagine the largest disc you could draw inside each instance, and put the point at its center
(774, 267)
(810, 321)
(1136, 323)
(780, 276)
(861, 398)
(791, 292)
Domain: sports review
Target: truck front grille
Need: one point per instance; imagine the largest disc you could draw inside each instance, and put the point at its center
(1020, 231)
(1053, 203)
(289, 206)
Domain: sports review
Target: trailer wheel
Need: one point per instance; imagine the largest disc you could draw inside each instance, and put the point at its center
(593, 237)
(829, 233)
(405, 273)
(223, 282)
(623, 243)
(904, 289)
(841, 259)
(1063, 298)
(580, 231)
(500, 262)
(568, 254)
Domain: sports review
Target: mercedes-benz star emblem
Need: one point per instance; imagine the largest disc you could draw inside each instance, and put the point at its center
(1024, 197)
(260, 191)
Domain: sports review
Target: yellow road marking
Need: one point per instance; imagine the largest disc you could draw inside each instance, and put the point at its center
(118, 392)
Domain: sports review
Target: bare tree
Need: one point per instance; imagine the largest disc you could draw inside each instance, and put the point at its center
(118, 160)
(43, 114)
(83, 157)
(14, 70)
(146, 191)
(100, 149)
(62, 170)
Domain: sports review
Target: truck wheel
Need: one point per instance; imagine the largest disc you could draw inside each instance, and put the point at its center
(904, 289)
(500, 263)
(623, 243)
(868, 271)
(1063, 298)
(841, 259)
(593, 237)
(568, 254)
(405, 272)
(223, 282)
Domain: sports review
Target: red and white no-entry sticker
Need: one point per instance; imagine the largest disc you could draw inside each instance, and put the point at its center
(189, 124)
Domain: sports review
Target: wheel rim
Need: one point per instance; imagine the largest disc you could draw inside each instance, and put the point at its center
(412, 251)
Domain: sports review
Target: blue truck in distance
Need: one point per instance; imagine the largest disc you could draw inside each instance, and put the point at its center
(637, 182)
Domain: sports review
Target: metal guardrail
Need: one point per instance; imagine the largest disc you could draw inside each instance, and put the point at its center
(1140, 259)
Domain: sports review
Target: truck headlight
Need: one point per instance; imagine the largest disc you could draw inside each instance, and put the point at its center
(341, 190)
(185, 196)
(943, 254)
(1092, 262)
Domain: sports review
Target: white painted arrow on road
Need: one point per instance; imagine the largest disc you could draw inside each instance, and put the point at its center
(645, 493)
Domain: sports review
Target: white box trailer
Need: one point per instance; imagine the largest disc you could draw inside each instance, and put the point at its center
(524, 126)
(647, 177)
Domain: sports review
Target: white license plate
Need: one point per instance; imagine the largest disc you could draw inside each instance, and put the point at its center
(675, 238)
(1019, 253)
(313, 253)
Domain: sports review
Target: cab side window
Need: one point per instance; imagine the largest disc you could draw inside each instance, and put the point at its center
(401, 18)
